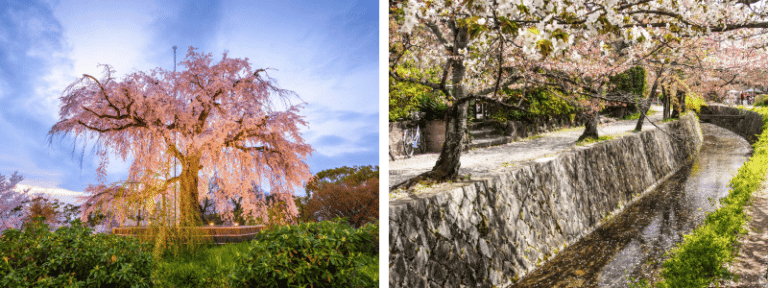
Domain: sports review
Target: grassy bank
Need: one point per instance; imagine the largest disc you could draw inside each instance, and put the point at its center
(699, 259)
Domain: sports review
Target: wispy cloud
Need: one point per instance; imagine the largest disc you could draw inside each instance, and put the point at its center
(327, 52)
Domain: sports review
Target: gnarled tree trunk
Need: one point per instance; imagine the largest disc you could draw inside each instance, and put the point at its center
(189, 204)
(447, 166)
(644, 108)
(590, 126)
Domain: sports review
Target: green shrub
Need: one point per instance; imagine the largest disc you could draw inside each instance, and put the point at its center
(405, 97)
(694, 102)
(540, 103)
(631, 81)
(321, 254)
(72, 257)
(434, 108)
(761, 100)
(699, 259)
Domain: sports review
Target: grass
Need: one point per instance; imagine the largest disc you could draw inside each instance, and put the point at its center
(588, 141)
(207, 266)
(699, 260)
(211, 266)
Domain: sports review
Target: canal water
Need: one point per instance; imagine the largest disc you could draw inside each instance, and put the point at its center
(632, 244)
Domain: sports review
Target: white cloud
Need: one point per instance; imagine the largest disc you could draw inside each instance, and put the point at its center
(63, 195)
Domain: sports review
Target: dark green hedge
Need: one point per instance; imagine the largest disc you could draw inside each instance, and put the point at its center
(322, 254)
(632, 81)
(72, 257)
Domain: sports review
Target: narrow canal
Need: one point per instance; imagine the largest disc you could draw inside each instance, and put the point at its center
(632, 244)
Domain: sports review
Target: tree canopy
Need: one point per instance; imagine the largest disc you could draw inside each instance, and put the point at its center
(481, 47)
(346, 192)
(222, 119)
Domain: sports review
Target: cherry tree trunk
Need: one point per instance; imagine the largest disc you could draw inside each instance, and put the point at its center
(647, 106)
(189, 207)
(644, 111)
(680, 107)
(590, 126)
(666, 102)
(447, 166)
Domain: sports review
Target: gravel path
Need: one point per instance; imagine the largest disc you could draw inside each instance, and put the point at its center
(484, 160)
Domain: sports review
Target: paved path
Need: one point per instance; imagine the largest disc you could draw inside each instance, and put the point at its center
(750, 264)
(484, 160)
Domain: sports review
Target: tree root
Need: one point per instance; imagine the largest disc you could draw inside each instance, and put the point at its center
(430, 177)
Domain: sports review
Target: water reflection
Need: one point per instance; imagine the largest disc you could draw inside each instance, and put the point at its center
(631, 245)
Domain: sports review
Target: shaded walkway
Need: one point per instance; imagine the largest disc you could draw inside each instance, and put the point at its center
(541, 147)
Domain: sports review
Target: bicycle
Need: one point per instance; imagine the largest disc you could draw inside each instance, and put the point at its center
(411, 141)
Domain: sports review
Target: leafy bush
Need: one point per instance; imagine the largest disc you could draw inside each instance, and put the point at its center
(71, 257)
(540, 103)
(761, 100)
(405, 97)
(694, 102)
(322, 254)
(631, 81)
(434, 108)
(699, 259)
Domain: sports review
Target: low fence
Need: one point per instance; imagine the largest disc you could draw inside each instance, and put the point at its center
(218, 235)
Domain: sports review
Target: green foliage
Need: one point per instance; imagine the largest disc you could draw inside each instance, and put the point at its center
(699, 259)
(433, 107)
(541, 104)
(636, 116)
(405, 97)
(322, 254)
(761, 100)
(631, 81)
(694, 102)
(72, 257)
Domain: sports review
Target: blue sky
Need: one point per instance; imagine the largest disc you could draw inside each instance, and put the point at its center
(325, 51)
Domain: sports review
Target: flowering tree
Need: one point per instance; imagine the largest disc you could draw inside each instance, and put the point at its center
(348, 192)
(212, 118)
(42, 206)
(485, 45)
(12, 202)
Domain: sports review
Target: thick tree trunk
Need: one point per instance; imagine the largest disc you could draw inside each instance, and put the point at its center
(679, 109)
(447, 166)
(590, 126)
(189, 204)
(667, 103)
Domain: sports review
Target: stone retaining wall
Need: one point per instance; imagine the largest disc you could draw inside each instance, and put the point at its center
(493, 232)
(750, 127)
